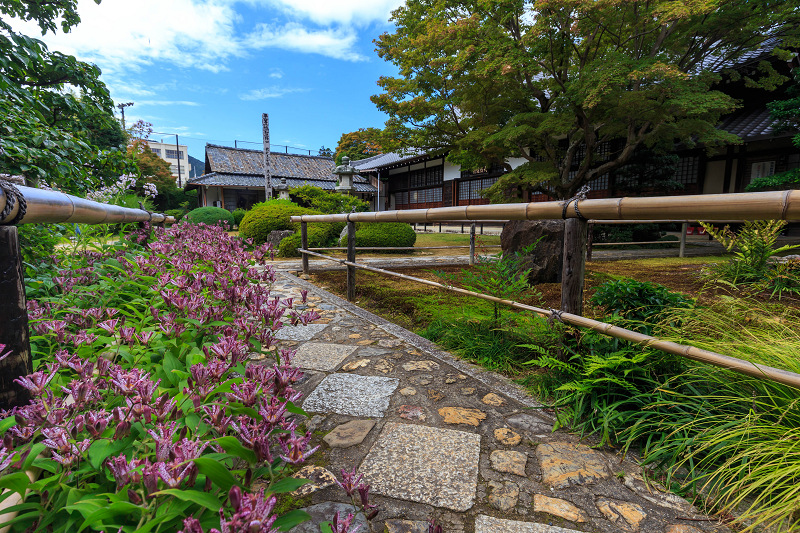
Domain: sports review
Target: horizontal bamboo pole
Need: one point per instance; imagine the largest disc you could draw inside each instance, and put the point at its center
(772, 205)
(698, 354)
(631, 243)
(54, 206)
(401, 247)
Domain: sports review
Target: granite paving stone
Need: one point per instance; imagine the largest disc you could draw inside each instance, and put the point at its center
(321, 356)
(352, 394)
(490, 524)
(299, 333)
(424, 464)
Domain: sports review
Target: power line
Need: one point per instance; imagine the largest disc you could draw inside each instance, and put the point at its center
(236, 142)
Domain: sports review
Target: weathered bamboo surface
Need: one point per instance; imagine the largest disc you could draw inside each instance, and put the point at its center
(54, 206)
(772, 205)
(698, 354)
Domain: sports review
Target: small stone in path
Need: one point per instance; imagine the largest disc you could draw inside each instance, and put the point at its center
(364, 342)
(490, 524)
(529, 423)
(411, 412)
(354, 336)
(558, 507)
(462, 415)
(389, 343)
(354, 365)
(682, 528)
(319, 479)
(426, 366)
(511, 462)
(493, 400)
(449, 379)
(435, 395)
(421, 379)
(462, 377)
(655, 493)
(408, 391)
(467, 391)
(624, 514)
(322, 512)
(384, 366)
(503, 495)
(507, 436)
(406, 526)
(565, 464)
(349, 433)
(314, 423)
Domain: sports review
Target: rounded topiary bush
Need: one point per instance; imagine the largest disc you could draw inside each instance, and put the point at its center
(383, 234)
(238, 215)
(210, 215)
(320, 234)
(270, 216)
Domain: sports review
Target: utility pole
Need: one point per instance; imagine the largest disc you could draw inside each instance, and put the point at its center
(267, 175)
(122, 109)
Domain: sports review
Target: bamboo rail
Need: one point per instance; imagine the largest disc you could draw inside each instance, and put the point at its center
(54, 206)
(698, 354)
(773, 205)
(397, 248)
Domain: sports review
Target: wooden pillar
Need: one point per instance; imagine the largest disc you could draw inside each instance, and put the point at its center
(304, 245)
(589, 241)
(13, 321)
(472, 244)
(351, 257)
(266, 157)
(574, 268)
(684, 228)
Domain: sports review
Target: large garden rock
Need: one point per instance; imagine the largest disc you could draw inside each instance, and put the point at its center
(546, 259)
(275, 237)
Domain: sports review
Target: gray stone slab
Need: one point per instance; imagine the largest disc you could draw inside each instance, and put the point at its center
(321, 356)
(299, 333)
(433, 466)
(351, 394)
(490, 524)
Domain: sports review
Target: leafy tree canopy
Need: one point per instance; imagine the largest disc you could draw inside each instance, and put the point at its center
(549, 81)
(56, 116)
(363, 143)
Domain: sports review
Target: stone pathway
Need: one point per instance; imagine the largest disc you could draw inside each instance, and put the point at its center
(438, 438)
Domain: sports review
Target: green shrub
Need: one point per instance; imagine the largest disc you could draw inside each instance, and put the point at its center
(327, 202)
(638, 300)
(38, 241)
(213, 216)
(383, 234)
(270, 216)
(319, 234)
(238, 215)
(177, 213)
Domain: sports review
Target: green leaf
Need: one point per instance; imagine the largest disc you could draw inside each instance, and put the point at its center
(288, 484)
(100, 450)
(216, 472)
(96, 518)
(7, 423)
(17, 482)
(292, 408)
(203, 499)
(234, 447)
(291, 519)
(324, 527)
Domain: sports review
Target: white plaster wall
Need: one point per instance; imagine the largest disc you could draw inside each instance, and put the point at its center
(212, 194)
(451, 171)
(715, 177)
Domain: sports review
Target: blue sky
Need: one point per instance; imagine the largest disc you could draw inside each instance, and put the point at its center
(207, 69)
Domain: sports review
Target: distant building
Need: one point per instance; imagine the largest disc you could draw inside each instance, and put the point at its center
(234, 177)
(177, 155)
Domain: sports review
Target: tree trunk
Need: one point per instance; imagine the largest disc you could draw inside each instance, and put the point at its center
(13, 321)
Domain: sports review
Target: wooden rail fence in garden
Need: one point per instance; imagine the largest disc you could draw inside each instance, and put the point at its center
(780, 205)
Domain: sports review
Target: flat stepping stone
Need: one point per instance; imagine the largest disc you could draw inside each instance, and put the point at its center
(318, 477)
(321, 356)
(558, 507)
(299, 333)
(425, 366)
(462, 415)
(490, 524)
(530, 423)
(565, 464)
(406, 526)
(349, 433)
(353, 395)
(493, 399)
(628, 516)
(507, 436)
(504, 495)
(422, 464)
(510, 462)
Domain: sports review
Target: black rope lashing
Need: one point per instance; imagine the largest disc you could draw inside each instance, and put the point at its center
(13, 197)
(581, 195)
(150, 213)
(555, 314)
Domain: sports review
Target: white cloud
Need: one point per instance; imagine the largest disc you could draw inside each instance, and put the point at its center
(276, 73)
(342, 12)
(269, 92)
(335, 43)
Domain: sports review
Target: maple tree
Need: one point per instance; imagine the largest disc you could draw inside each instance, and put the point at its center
(362, 143)
(572, 87)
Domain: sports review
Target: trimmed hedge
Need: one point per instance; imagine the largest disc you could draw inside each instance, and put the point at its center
(270, 216)
(238, 215)
(213, 216)
(383, 234)
(177, 213)
(321, 234)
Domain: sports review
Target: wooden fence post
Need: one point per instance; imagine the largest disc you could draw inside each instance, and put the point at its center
(684, 228)
(13, 321)
(472, 244)
(574, 268)
(304, 245)
(351, 257)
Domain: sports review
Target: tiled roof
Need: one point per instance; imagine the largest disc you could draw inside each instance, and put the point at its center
(383, 160)
(750, 125)
(224, 159)
(249, 180)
